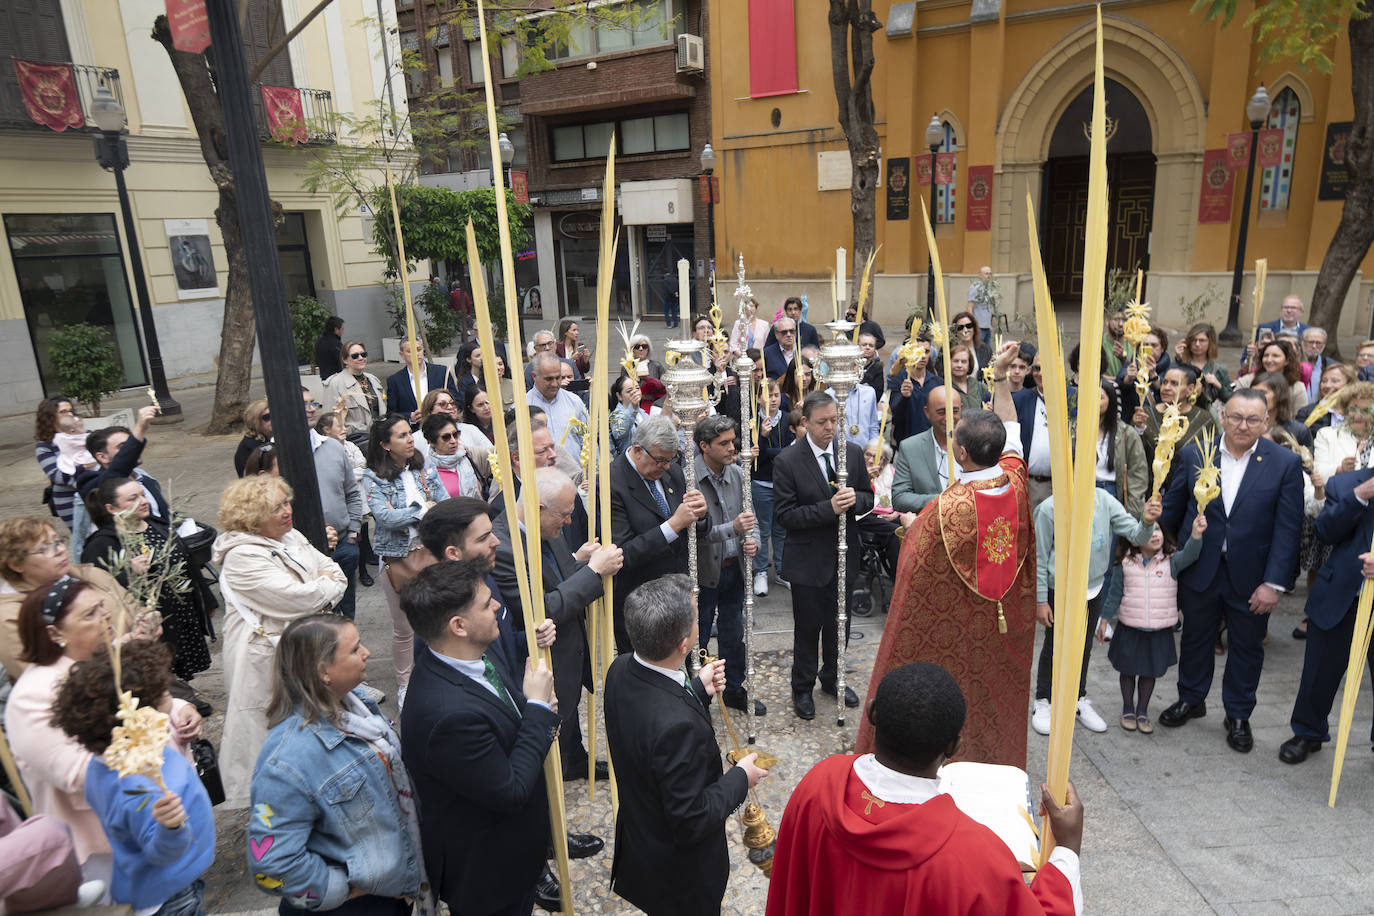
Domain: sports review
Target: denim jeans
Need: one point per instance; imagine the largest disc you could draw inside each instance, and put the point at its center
(725, 604)
(186, 902)
(772, 535)
(347, 557)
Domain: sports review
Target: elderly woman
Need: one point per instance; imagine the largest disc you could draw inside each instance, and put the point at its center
(257, 431)
(1350, 446)
(52, 412)
(878, 457)
(66, 622)
(400, 490)
(1334, 377)
(121, 513)
(641, 352)
(364, 395)
(330, 425)
(355, 845)
(450, 457)
(269, 575)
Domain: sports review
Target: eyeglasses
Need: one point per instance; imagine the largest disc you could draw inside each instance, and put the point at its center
(1243, 421)
(660, 462)
(358, 354)
(267, 417)
(963, 327)
(447, 437)
(787, 331)
(313, 405)
(52, 548)
(641, 346)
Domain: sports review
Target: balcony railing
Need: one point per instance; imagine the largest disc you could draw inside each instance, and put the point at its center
(13, 114)
(317, 105)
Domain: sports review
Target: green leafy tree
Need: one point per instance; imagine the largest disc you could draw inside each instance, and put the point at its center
(86, 363)
(1306, 31)
(308, 316)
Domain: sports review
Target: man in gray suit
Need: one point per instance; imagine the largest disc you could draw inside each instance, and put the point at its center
(571, 582)
(920, 469)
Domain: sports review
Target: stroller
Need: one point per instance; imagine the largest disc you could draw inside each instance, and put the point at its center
(878, 552)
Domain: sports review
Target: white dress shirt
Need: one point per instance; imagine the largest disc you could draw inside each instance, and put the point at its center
(477, 671)
(1038, 461)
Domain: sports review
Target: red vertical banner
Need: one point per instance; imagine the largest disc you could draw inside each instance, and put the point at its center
(772, 48)
(945, 164)
(1214, 205)
(285, 116)
(923, 170)
(189, 24)
(715, 190)
(978, 215)
(519, 185)
(1270, 155)
(704, 189)
(1238, 151)
(50, 95)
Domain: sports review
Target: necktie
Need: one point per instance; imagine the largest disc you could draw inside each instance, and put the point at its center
(658, 499)
(829, 471)
(494, 679)
(687, 686)
(551, 562)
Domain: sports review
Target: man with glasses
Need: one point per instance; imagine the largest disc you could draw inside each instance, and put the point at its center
(1290, 318)
(1249, 556)
(561, 407)
(362, 392)
(400, 385)
(341, 501)
(807, 335)
(651, 508)
(544, 342)
(1314, 362)
(777, 356)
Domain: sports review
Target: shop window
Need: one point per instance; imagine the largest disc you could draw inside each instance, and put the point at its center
(1285, 113)
(947, 194)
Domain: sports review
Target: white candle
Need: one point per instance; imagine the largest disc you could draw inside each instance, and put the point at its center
(684, 297)
(839, 281)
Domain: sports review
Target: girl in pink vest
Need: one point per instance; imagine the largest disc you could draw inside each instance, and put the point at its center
(1142, 648)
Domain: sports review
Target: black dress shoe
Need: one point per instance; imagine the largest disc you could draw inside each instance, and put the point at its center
(804, 705)
(574, 771)
(1238, 734)
(365, 578)
(546, 891)
(735, 699)
(1181, 712)
(1295, 749)
(582, 845)
(851, 699)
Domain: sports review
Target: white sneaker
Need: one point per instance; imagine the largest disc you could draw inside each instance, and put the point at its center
(401, 701)
(90, 893)
(372, 693)
(1089, 717)
(1040, 717)
(761, 583)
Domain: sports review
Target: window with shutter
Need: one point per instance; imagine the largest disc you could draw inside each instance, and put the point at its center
(262, 16)
(31, 30)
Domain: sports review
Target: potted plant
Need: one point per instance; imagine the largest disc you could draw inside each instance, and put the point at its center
(308, 316)
(86, 363)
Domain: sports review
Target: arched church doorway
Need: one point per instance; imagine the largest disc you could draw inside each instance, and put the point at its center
(1130, 190)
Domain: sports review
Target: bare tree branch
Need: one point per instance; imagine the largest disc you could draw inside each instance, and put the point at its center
(285, 40)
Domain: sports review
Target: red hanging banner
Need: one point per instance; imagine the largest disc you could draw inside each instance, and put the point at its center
(944, 168)
(50, 95)
(285, 116)
(1270, 154)
(978, 216)
(923, 170)
(772, 48)
(519, 185)
(1214, 205)
(1238, 151)
(189, 24)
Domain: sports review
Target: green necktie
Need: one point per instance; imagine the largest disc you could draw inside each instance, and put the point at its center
(829, 471)
(494, 679)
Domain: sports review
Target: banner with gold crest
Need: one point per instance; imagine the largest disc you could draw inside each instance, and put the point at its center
(50, 95)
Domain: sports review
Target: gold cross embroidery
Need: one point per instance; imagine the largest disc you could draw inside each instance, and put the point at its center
(868, 809)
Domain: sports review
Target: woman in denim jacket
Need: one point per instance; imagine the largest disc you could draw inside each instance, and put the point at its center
(334, 825)
(400, 490)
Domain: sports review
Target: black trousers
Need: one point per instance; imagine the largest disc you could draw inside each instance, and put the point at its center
(1202, 616)
(1325, 658)
(1044, 669)
(814, 617)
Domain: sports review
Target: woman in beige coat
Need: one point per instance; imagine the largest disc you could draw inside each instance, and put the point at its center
(269, 575)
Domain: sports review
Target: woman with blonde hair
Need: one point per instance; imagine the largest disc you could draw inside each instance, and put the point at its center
(257, 431)
(269, 575)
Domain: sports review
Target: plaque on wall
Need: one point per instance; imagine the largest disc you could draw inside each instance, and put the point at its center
(898, 188)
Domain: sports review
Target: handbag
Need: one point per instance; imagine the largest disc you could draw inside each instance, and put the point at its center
(207, 768)
(400, 570)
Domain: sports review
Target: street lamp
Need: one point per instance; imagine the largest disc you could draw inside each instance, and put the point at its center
(112, 153)
(507, 154)
(708, 165)
(1256, 111)
(935, 135)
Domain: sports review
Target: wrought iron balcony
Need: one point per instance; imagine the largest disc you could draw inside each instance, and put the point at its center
(317, 106)
(13, 114)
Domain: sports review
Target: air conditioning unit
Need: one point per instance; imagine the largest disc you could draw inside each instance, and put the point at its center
(691, 55)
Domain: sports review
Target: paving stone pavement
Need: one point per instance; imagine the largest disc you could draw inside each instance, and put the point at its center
(1177, 823)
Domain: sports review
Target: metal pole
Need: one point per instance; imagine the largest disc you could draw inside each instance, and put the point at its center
(686, 380)
(1231, 334)
(930, 257)
(170, 408)
(744, 374)
(280, 371)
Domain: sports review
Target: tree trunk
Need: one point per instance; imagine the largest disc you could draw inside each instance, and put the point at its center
(852, 24)
(1355, 233)
(235, 363)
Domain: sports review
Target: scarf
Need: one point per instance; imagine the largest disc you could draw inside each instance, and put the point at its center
(357, 721)
(447, 462)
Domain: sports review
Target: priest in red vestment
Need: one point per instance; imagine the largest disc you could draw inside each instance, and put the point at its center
(875, 833)
(965, 589)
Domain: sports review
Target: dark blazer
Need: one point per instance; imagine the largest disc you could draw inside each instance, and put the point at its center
(774, 362)
(510, 648)
(1278, 323)
(635, 521)
(1025, 403)
(671, 856)
(807, 336)
(1263, 531)
(122, 465)
(1347, 525)
(400, 394)
(478, 769)
(329, 354)
(801, 502)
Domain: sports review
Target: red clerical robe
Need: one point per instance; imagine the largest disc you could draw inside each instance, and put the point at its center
(842, 851)
(967, 568)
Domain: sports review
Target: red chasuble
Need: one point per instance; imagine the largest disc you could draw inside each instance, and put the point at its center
(840, 850)
(965, 599)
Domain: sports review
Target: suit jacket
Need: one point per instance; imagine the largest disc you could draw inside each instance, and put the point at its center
(1347, 525)
(123, 464)
(1263, 531)
(635, 521)
(774, 362)
(909, 414)
(801, 502)
(916, 473)
(510, 647)
(807, 336)
(670, 849)
(400, 394)
(478, 770)
(1277, 323)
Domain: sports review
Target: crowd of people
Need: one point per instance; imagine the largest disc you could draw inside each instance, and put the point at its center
(947, 486)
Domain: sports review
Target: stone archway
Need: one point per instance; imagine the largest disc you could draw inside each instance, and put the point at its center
(1167, 89)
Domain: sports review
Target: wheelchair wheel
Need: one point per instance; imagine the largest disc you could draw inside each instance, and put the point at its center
(862, 602)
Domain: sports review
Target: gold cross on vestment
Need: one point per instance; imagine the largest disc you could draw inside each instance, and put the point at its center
(868, 809)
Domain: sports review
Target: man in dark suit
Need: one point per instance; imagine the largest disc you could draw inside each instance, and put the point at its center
(670, 850)
(400, 390)
(570, 584)
(1347, 523)
(808, 504)
(475, 748)
(1290, 318)
(807, 336)
(650, 509)
(778, 355)
(1249, 555)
